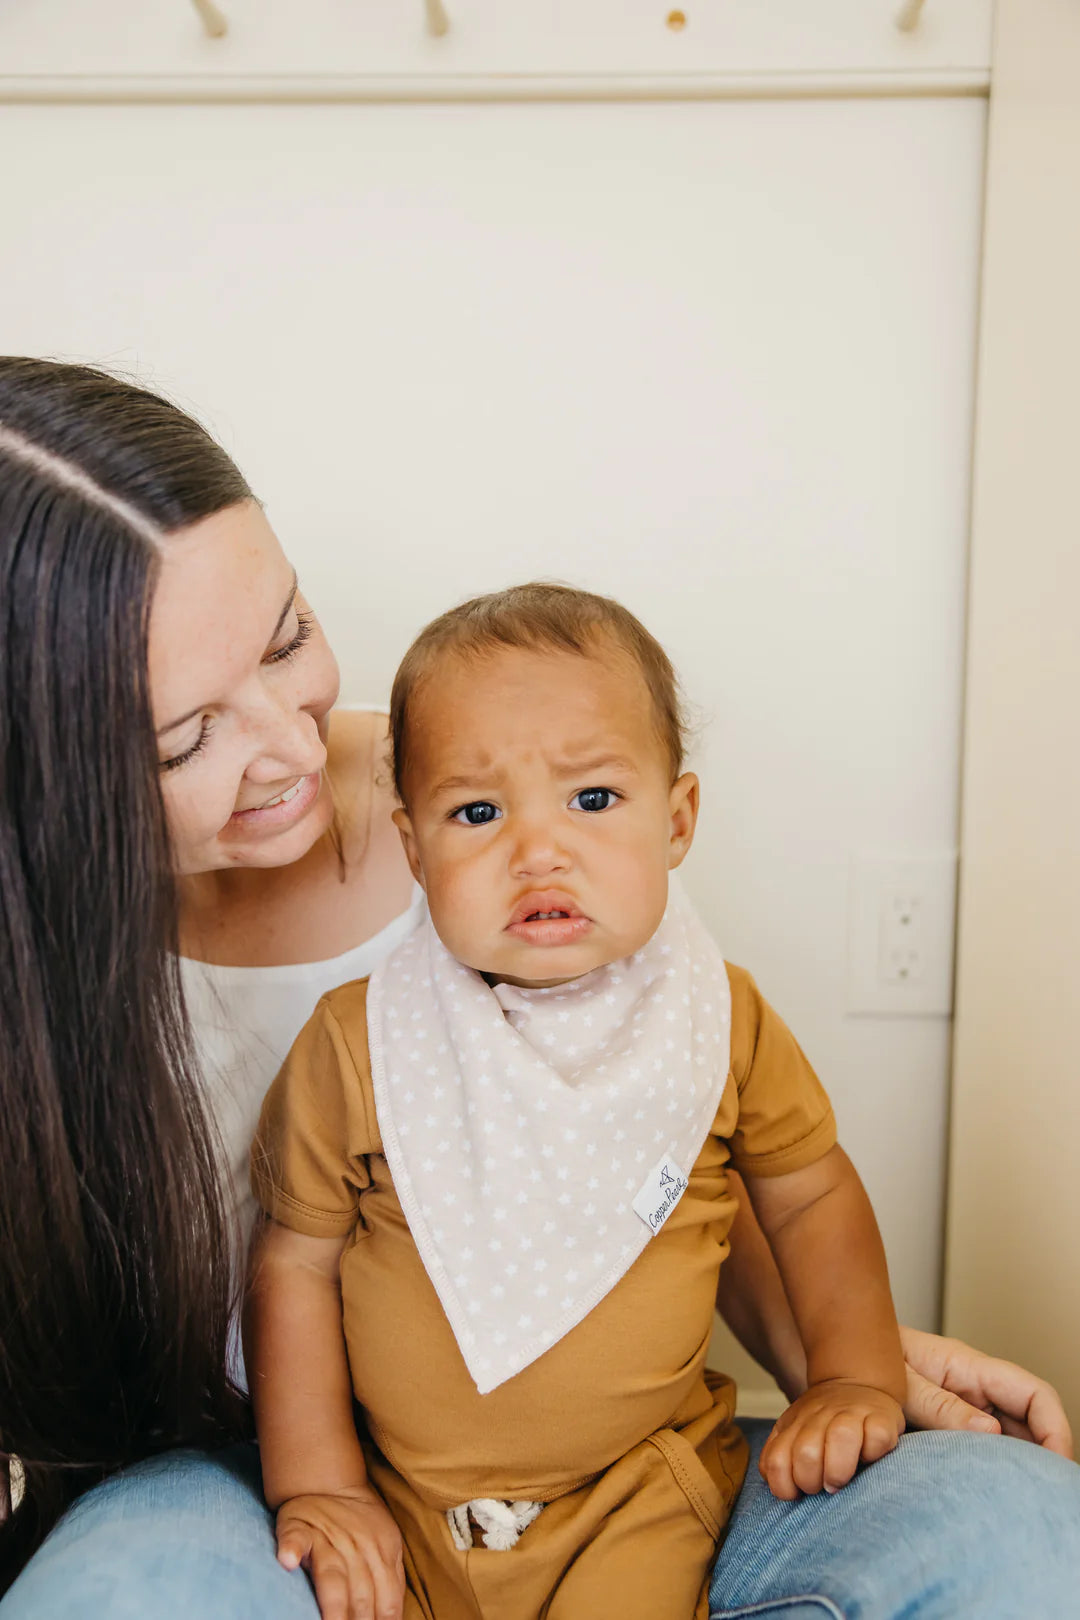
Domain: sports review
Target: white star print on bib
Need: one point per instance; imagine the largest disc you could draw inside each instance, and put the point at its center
(538, 1138)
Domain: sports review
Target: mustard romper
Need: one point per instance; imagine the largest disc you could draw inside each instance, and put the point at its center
(618, 1427)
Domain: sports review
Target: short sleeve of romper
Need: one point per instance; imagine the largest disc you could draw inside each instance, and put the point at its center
(318, 1123)
(774, 1111)
(309, 1159)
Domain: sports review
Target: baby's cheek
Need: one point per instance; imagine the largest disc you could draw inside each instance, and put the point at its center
(457, 908)
(641, 899)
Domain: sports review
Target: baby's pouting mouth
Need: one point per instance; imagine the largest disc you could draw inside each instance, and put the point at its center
(543, 903)
(548, 917)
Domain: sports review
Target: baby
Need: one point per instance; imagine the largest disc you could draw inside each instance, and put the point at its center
(495, 1174)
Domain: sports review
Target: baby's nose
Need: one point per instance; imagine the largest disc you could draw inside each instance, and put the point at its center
(538, 852)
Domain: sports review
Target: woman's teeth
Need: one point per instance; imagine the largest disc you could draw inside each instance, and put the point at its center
(544, 916)
(283, 798)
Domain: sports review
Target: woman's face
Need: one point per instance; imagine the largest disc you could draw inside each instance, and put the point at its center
(242, 683)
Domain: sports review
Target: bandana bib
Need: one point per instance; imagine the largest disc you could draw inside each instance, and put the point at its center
(539, 1138)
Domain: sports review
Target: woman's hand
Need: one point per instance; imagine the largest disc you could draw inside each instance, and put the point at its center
(952, 1386)
(351, 1548)
(822, 1438)
(949, 1385)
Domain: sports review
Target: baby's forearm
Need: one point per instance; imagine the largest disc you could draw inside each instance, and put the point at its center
(298, 1371)
(750, 1297)
(822, 1230)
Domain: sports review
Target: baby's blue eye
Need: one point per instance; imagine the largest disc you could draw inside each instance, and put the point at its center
(593, 799)
(477, 814)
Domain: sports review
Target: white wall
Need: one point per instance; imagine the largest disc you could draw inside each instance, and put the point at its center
(715, 358)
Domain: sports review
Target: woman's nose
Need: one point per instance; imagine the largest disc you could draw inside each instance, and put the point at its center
(288, 744)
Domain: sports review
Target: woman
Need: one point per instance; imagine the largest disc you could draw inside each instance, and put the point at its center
(186, 827)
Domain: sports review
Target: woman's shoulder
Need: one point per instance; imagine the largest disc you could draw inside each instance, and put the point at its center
(357, 742)
(359, 768)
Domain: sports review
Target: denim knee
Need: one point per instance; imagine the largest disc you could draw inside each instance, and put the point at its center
(180, 1535)
(948, 1524)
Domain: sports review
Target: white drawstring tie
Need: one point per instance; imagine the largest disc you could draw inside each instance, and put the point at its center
(501, 1522)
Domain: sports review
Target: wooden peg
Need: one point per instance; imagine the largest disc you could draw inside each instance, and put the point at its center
(214, 21)
(438, 23)
(910, 12)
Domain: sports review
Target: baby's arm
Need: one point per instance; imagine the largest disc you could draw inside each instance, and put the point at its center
(822, 1231)
(328, 1517)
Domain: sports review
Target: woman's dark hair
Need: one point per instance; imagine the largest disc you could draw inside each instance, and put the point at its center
(115, 1251)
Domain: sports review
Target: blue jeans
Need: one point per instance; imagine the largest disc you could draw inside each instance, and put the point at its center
(949, 1525)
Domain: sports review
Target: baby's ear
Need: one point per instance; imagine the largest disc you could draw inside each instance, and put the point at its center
(683, 806)
(404, 825)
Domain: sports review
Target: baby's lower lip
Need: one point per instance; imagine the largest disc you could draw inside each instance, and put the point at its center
(550, 930)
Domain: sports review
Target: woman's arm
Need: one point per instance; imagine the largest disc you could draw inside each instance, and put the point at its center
(949, 1384)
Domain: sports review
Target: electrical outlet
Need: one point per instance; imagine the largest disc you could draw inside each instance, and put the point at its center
(902, 932)
(901, 955)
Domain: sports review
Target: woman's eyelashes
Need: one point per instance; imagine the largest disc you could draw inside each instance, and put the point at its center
(189, 753)
(280, 655)
(481, 812)
(303, 633)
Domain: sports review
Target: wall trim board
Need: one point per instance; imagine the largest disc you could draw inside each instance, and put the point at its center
(78, 89)
(1011, 1281)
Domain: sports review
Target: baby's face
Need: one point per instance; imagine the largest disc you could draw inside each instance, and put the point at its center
(541, 819)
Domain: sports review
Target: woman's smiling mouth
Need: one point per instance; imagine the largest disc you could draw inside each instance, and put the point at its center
(283, 809)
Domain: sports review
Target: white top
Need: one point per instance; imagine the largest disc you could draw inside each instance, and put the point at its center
(245, 1019)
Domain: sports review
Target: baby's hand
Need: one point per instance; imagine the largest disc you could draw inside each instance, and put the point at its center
(351, 1548)
(823, 1436)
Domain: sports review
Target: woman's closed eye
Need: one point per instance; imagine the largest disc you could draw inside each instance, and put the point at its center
(477, 814)
(281, 655)
(189, 753)
(594, 799)
(277, 655)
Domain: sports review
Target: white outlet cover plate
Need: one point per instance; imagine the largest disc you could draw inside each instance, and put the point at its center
(874, 879)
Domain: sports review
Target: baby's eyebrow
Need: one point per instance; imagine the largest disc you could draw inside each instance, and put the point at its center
(597, 762)
(483, 776)
(454, 784)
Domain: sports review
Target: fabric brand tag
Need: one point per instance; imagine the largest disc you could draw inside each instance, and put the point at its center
(659, 1193)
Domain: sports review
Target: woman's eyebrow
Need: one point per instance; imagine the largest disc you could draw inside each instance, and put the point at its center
(287, 609)
(199, 707)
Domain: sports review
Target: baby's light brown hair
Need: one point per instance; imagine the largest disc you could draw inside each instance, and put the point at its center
(537, 616)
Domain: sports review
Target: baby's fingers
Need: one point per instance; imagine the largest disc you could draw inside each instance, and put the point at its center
(340, 1596)
(294, 1539)
(389, 1584)
(880, 1435)
(774, 1464)
(808, 1453)
(844, 1445)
